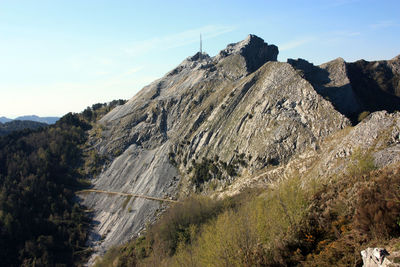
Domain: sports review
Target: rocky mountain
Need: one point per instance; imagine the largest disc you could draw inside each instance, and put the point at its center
(355, 87)
(215, 125)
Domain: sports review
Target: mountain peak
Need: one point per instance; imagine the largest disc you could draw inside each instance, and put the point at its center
(191, 63)
(255, 51)
(198, 56)
(251, 38)
(396, 58)
(250, 41)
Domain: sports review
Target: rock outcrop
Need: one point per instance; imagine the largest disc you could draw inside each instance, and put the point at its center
(331, 81)
(377, 136)
(355, 87)
(254, 51)
(377, 83)
(378, 257)
(241, 112)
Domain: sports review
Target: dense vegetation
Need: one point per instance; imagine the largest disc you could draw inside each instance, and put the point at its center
(16, 125)
(297, 223)
(96, 111)
(41, 222)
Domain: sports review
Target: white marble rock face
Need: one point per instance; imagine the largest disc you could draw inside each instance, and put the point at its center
(240, 102)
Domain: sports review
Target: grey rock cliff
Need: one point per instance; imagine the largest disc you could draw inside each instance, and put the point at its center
(144, 131)
(253, 49)
(377, 135)
(331, 81)
(240, 109)
(355, 87)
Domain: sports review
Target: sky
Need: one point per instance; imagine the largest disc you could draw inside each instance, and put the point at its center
(62, 56)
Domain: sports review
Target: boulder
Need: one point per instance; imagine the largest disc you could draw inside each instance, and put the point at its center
(376, 257)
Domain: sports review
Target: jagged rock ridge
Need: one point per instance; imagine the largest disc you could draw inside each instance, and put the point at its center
(240, 108)
(355, 87)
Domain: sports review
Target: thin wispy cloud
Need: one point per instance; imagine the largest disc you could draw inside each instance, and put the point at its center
(132, 71)
(177, 40)
(339, 3)
(85, 62)
(104, 61)
(102, 73)
(295, 43)
(330, 37)
(112, 75)
(346, 33)
(339, 37)
(383, 24)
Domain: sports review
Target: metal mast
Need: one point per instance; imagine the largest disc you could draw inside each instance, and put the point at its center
(201, 48)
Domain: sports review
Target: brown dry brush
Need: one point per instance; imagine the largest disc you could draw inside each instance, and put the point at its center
(378, 208)
(353, 213)
(258, 229)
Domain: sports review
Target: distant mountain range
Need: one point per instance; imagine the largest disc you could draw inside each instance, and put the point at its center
(47, 120)
(4, 119)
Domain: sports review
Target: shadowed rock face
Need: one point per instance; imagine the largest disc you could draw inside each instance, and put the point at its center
(355, 87)
(376, 83)
(331, 81)
(254, 50)
(238, 104)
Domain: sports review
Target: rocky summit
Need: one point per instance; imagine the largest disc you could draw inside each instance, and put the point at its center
(250, 119)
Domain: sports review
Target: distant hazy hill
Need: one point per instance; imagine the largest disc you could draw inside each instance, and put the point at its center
(48, 120)
(4, 119)
(17, 125)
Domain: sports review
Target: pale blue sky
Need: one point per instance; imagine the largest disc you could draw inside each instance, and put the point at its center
(60, 56)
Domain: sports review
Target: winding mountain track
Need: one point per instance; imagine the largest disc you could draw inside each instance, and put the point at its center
(127, 195)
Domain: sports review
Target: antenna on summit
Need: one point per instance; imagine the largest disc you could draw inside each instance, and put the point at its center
(201, 47)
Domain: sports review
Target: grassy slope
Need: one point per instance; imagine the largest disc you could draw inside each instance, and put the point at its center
(314, 224)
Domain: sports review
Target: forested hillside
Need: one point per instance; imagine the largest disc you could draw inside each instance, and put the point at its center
(41, 220)
(16, 125)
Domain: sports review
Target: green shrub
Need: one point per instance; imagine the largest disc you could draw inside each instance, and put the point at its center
(363, 115)
(173, 226)
(248, 234)
(361, 162)
(228, 241)
(121, 256)
(205, 171)
(294, 223)
(126, 201)
(231, 170)
(93, 162)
